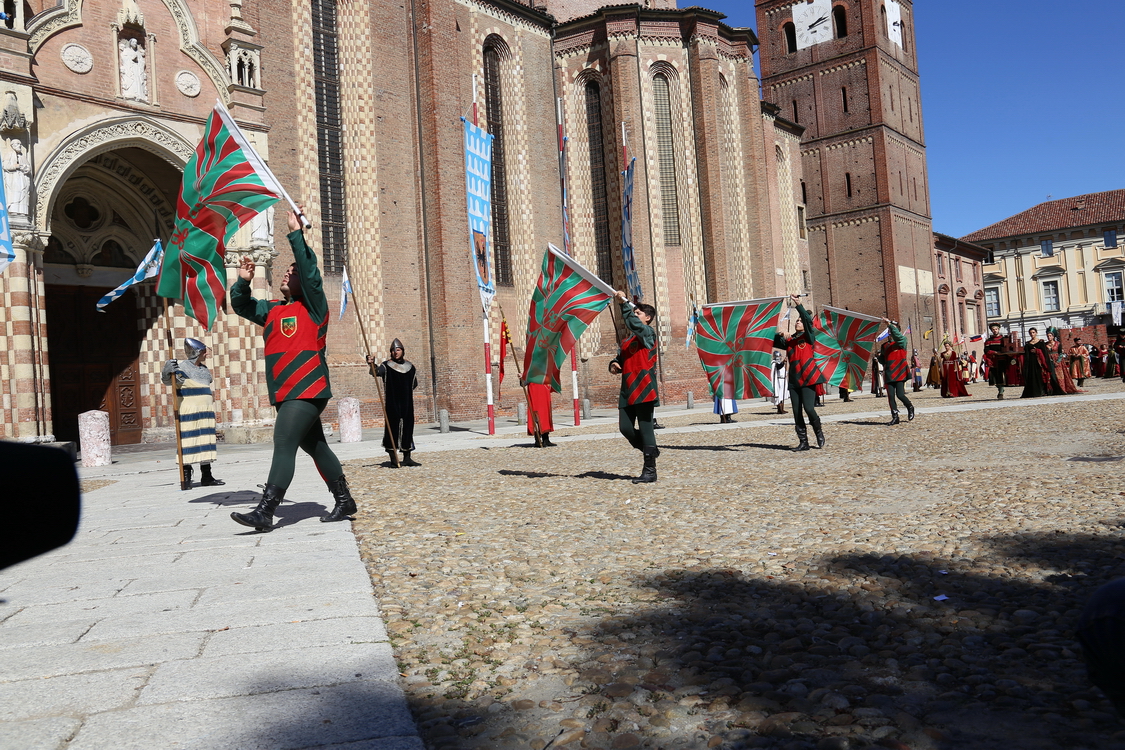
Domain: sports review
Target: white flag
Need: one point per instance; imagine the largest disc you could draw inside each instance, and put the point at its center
(345, 290)
(148, 269)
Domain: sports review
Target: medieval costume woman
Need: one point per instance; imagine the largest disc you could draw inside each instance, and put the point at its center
(1079, 362)
(1060, 362)
(1038, 373)
(952, 385)
(933, 377)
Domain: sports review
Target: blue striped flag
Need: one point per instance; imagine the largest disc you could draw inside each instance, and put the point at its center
(148, 269)
(886, 332)
(345, 290)
(7, 253)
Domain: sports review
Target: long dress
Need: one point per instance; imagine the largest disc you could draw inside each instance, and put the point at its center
(540, 397)
(1062, 371)
(951, 383)
(1079, 362)
(933, 377)
(1097, 363)
(1038, 373)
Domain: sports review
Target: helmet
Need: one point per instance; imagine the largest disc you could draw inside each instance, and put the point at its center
(193, 348)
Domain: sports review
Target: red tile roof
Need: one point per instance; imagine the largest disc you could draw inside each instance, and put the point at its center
(1052, 216)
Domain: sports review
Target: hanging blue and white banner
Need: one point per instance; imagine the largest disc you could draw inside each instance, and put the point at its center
(632, 278)
(345, 290)
(7, 253)
(148, 269)
(478, 183)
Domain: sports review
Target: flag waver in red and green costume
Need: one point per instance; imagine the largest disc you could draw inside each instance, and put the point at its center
(804, 377)
(735, 343)
(225, 185)
(636, 363)
(566, 300)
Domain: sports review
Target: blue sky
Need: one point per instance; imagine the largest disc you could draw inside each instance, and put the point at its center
(1021, 98)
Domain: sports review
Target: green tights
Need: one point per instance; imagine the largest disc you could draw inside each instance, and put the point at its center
(635, 422)
(298, 426)
(803, 400)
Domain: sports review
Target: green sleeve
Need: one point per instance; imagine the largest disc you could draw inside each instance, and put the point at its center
(645, 333)
(312, 285)
(806, 318)
(898, 336)
(245, 305)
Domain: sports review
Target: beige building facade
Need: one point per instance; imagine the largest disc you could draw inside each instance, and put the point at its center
(1059, 263)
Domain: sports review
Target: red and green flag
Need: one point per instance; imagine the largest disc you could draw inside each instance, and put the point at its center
(735, 343)
(225, 185)
(565, 301)
(844, 342)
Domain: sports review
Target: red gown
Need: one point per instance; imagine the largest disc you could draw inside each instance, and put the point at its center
(951, 384)
(540, 397)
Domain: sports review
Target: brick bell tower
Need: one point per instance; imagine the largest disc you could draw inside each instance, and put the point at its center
(847, 71)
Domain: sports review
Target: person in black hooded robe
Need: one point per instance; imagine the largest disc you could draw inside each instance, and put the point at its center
(400, 378)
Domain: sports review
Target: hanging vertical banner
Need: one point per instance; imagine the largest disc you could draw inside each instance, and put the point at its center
(632, 278)
(7, 252)
(478, 184)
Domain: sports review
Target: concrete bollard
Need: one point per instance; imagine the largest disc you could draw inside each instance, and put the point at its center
(521, 412)
(443, 421)
(351, 426)
(690, 400)
(93, 436)
(585, 408)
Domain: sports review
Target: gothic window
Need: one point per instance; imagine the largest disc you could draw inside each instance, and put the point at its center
(848, 183)
(111, 254)
(494, 111)
(804, 193)
(790, 32)
(329, 135)
(840, 21)
(666, 154)
(796, 113)
(844, 97)
(883, 19)
(599, 191)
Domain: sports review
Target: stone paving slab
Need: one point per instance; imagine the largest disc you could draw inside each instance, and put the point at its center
(40, 734)
(93, 656)
(309, 634)
(70, 695)
(287, 720)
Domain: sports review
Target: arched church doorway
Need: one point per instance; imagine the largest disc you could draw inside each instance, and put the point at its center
(103, 222)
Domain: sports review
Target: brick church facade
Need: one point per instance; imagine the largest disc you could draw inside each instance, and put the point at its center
(357, 108)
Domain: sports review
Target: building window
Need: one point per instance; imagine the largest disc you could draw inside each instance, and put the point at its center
(666, 153)
(940, 265)
(957, 269)
(883, 18)
(848, 183)
(1047, 248)
(801, 230)
(805, 277)
(976, 274)
(1051, 296)
(804, 193)
(494, 111)
(796, 113)
(1113, 289)
(944, 316)
(844, 96)
(1110, 238)
(597, 180)
(840, 21)
(329, 136)
(961, 316)
(790, 32)
(992, 302)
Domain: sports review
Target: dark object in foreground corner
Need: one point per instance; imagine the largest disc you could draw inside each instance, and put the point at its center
(1101, 631)
(41, 501)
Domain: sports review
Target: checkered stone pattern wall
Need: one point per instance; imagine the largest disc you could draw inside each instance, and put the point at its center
(25, 387)
(788, 206)
(734, 190)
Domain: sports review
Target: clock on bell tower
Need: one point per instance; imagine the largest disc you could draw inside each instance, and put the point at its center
(846, 71)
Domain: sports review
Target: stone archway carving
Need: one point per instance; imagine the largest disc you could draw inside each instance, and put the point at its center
(106, 136)
(69, 14)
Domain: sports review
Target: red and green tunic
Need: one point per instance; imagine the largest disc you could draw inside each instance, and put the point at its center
(894, 358)
(638, 362)
(803, 370)
(295, 331)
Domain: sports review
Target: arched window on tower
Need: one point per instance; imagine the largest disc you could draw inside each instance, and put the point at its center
(883, 19)
(330, 136)
(494, 112)
(790, 32)
(598, 188)
(840, 21)
(666, 155)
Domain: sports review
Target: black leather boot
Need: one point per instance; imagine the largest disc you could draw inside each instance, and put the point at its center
(185, 481)
(261, 518)
(345, 506)
(819, 432)
(910, 413)
(894, 417)
(205, 477)
(803, 436)
(407, 460)
(546, 438)
(648, 473)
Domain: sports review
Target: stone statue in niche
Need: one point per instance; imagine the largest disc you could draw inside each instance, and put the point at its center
(17, 178)
(134, 80)
(261, 229)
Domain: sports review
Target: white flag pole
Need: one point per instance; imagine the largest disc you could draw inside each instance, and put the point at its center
(259, 165)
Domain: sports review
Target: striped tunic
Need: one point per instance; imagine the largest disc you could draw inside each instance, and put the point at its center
(197, 421)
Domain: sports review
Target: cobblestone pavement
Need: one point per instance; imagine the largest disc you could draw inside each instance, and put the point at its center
(906, 587)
